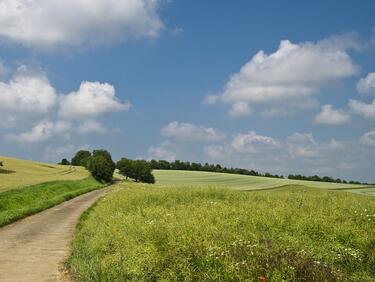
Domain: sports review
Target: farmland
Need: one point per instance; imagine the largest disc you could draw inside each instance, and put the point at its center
(244, 182)
(190, 233)
(21, 173)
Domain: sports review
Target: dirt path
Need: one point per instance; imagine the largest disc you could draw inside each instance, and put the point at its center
(33, 248)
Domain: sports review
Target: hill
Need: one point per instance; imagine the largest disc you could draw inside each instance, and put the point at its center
(20, 173)
(245, 182)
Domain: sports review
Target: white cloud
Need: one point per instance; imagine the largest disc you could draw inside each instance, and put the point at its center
(274, 112)
(367, 85)
(190, 132)
(240, 109)
(215, 152)
(164, 151)
(46, 24)
(27, 92)
(211, 99)
(363, 109)
(368, 138)
(330, 116)
(91, 100)
(251, 142)
(293, 71)
(297, 153)
(91, 126)
(55, 154)
(41, 132)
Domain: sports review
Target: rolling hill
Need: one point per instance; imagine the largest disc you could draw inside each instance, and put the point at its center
(20, 173)
(244, 182)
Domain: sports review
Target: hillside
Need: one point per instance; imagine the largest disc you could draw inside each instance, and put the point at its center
(244, 182)
(19, 173)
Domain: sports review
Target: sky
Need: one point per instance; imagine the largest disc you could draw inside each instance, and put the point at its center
(276, 86)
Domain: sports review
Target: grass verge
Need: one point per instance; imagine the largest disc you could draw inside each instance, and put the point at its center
(19, 203)
(155, 233)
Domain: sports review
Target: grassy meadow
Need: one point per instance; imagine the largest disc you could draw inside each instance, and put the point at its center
(19, 203)
(142, 232)
(245, 182)
(20, 173)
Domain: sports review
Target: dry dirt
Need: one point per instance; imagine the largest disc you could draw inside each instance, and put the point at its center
(33, 249)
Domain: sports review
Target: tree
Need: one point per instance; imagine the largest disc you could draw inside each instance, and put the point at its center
(101, 168)
(126, 168)
(107, 155)
(139, 170)
(64, 162)
(1, 164)
(81, 158)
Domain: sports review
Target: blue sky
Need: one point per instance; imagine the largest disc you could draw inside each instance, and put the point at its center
(267, 85)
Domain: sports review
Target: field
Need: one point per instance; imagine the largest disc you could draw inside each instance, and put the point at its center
(165, 233)
(20, 173)
(244, 182)
(18, 203)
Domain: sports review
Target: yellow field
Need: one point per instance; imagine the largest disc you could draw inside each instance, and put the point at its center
(22, 173)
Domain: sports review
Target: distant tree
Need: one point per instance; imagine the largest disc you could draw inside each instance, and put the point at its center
(139, 170)
(64, 162)
(1, 164)
(126, 167)
(101, 168)
(81, 158)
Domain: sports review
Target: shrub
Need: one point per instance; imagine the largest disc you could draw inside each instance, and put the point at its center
(64, 162)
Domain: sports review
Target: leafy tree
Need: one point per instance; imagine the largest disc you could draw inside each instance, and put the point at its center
(1, 164)
(81, 158)
(64, 162)
(126, 168)
(101, 168)
(139, 170)
(105, 154)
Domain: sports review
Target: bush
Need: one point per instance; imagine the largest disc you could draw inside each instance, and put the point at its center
(81, 158)
(64, 162)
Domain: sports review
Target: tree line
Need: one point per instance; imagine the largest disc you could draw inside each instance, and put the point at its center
(181, 165)
(323, 179)
(102, 167)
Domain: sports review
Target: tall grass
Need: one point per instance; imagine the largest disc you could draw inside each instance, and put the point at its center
(18, 203)
(152, 233)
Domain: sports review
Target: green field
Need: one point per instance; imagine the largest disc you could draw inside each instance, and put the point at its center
(245, 182)
(19, 203)
(20, 173)
(163, 233)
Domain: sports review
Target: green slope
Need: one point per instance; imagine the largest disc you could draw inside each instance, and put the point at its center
(244, 182)
(20, 173)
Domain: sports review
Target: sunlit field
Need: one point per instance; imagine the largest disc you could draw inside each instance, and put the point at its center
(244, 182)
(20, 173)
(144, 232)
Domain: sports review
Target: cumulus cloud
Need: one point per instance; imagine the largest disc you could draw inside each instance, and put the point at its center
(330, 116)
(190, 132)
(164, 151)
(367, 85)
(297, 153)
(363, 109)
(294, 71)
(41, 132)
(27, 92)
(240, 109)
(251, 142)
(46, 24)
(91, 126)
(368, 138)
(91, 100)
